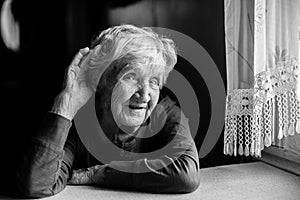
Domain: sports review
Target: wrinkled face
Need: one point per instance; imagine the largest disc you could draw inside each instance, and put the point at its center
(136, 94)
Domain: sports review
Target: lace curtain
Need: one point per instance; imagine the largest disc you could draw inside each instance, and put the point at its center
(262, 108)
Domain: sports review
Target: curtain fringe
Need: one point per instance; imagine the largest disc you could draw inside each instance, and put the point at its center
(249, 120)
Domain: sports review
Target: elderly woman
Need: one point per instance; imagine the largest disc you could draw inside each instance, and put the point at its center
(127, 67)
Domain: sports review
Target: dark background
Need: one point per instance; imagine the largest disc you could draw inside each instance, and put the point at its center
(53, 31)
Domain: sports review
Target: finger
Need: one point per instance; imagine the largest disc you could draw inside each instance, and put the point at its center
(84, 59)
(84, 51)
(79, 56)
(80, 177)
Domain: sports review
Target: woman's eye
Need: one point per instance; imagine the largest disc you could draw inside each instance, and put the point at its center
(154, 82)
(129, 77)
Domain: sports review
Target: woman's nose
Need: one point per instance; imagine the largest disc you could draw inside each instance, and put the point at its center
(143, 93)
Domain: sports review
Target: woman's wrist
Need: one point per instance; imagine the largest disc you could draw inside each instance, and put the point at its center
(65, 105)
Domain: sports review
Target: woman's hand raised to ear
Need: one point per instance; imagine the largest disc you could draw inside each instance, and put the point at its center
(76, 92)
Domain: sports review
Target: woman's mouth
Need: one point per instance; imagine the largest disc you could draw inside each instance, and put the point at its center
(137, 107)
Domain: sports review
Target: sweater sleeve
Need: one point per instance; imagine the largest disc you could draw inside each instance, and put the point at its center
(47, 160)
(174, 171)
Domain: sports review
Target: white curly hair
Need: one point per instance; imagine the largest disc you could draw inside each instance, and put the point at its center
(125, 44)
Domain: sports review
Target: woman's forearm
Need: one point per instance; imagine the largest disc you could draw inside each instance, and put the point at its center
(42, 171)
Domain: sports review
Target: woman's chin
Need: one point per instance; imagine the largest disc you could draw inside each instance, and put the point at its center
(131, 123)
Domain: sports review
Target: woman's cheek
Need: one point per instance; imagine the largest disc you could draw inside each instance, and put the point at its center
(121, 93)
(154, 99)
(126, 90)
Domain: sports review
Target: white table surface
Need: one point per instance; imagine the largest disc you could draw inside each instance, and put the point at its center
(241, 182)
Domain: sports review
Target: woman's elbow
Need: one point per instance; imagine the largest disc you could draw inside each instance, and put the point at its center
(188, 182)
(31, 188)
